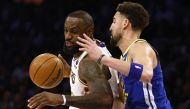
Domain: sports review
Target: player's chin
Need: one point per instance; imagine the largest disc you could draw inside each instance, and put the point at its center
(70, 48)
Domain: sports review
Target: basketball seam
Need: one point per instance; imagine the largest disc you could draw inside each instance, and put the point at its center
(41, 66)
(61, 72)
(50, 74)
(62, 69)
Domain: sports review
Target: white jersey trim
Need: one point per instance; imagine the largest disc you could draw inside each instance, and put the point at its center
(148, 95)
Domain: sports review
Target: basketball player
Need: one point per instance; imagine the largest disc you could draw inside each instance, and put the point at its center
(139, 67)
(90, 82)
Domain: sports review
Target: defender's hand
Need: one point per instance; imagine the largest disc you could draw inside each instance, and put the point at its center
(43, 99)
(90, 47)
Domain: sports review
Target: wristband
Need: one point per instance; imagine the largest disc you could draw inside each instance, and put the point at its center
(100, 58)
(135, 71)
(64, 100)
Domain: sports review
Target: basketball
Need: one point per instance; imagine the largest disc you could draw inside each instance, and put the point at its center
(46, 71)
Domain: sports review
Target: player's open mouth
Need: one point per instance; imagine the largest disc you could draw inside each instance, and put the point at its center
(68, 43)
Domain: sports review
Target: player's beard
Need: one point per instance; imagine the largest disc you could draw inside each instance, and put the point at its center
(114, 41)
(71, 50)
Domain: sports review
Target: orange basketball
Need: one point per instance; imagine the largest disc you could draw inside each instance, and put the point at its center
(46, 71)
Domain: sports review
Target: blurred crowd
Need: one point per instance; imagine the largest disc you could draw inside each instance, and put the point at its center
(28, 29)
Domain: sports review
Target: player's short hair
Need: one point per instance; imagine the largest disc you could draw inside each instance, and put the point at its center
(85, 16)
(136, 14)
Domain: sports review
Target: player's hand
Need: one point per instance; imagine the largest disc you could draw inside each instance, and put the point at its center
(90, 47)
(67, 67)
(43, 99)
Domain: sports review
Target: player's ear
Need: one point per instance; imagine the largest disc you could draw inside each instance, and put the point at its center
(126, 23)
(90, 31)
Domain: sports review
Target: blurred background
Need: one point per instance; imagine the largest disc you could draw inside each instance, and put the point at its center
(31, 27)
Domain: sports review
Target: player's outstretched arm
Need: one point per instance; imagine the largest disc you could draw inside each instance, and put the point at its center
(143, 55)
(99, 95)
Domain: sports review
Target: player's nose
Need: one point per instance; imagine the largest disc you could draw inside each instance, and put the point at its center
(110, 28)
(68, 35)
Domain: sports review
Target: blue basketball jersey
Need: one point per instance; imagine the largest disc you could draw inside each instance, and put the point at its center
(140, 95)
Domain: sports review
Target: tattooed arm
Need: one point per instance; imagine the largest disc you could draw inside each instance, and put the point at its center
(99, 96)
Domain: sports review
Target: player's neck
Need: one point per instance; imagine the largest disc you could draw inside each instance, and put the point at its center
(127, 39)
(76, 55)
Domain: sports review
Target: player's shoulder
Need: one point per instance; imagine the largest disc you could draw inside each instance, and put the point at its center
(141, 47)
(89, 69)
(86, 62)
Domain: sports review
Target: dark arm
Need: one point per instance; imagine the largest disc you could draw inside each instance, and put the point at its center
(100, 94)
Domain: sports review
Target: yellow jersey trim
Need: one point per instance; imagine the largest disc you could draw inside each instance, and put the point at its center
(138, 40)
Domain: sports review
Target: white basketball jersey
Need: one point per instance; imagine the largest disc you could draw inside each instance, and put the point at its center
(78, 87)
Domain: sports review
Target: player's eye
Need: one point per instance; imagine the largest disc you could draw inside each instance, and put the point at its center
(74, 31)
